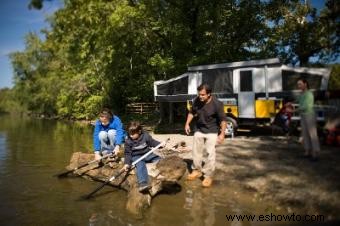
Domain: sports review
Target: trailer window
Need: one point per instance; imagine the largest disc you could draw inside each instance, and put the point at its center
(290, 78)
(246, 81)
(220, 80)
(179, 86)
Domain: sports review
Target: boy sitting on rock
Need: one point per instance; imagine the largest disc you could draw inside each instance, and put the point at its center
(137, 144)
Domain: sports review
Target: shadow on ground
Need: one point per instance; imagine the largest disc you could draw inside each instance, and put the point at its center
(274, 169)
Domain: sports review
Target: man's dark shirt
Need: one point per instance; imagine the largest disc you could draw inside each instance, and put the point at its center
(209, 116)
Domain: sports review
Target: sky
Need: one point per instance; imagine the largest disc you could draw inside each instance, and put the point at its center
(16, 20)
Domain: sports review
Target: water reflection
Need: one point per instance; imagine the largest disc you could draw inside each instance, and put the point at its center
(107, 218)
(31, 151)
(3, 149)
(201, 206)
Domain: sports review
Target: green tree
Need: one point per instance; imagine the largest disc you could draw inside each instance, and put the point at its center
(299, 32)
(8, 103)
(108, 53)
(28, 71)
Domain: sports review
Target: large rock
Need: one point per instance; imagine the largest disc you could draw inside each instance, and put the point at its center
(163, 176)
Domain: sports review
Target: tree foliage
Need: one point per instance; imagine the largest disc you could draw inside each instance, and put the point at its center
(108, 52)
(299, 32)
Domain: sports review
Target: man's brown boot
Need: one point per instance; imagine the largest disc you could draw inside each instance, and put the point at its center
(207, 182)
(194, 174)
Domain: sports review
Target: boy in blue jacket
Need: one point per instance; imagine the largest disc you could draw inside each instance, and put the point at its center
(137, 144)
(108, 134)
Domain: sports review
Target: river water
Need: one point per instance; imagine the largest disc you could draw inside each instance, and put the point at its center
(33, 150)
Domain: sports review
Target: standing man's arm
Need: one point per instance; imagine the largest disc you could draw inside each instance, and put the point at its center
(187, 123)
(221, 136)
(223, 124)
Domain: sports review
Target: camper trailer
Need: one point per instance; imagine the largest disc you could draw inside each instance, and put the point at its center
(251, 91)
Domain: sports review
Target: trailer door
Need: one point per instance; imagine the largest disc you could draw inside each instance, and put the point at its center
(246, 95)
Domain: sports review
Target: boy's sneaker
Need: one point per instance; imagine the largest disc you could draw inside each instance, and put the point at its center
(143, 188)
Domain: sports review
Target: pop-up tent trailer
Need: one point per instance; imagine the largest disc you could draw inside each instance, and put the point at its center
(249, 89)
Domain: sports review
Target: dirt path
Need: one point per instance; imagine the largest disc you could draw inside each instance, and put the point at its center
(273, 169)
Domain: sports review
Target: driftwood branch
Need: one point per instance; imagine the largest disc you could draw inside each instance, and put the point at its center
(163, 176)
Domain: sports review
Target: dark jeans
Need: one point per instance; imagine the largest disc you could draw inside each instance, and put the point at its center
(142, 172)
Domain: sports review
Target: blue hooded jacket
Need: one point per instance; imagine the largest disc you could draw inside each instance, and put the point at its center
(115, 124)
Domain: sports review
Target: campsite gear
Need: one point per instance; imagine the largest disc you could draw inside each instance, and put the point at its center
(64, 174)
(333, 136)
(122, 170)
(252, 91)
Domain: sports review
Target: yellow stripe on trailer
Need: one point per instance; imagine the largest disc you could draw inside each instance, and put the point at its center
(189, 104)
(233, 109)
(267, 108)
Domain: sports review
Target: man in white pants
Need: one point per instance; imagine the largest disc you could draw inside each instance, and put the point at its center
(211, 125)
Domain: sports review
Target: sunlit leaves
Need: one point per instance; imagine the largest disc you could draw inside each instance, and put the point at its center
(109, 52)
(299, 32)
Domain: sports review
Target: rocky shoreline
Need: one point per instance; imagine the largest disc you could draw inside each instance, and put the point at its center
(164, 176)
(271, 169)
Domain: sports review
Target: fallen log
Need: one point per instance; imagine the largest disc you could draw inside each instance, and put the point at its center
(163, 176)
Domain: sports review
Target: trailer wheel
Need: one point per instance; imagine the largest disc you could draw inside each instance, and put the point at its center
(231, 127)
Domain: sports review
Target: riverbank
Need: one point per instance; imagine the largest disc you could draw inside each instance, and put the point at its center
(272, 169)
